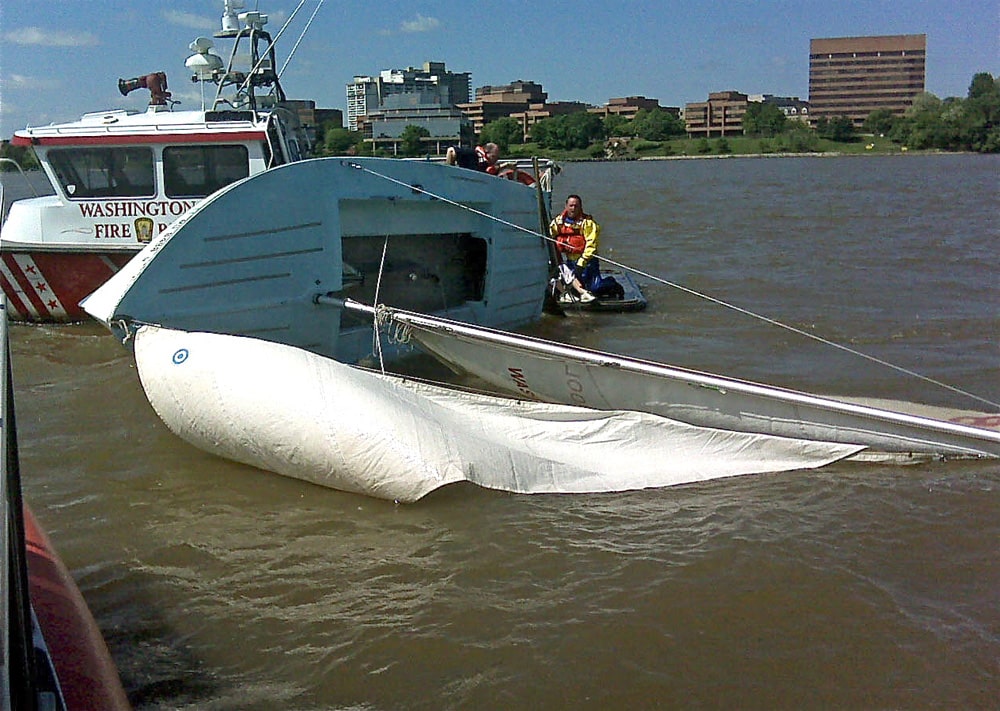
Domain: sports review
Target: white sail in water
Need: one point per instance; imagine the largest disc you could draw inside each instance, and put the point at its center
(296, 413)
(553, 372)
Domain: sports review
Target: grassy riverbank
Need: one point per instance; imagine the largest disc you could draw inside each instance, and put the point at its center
(714, 147)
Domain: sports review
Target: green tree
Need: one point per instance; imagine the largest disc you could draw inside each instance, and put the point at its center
(901, 130)
(657, 124)
(338, 141)
(617, 125)
(503, 131)
(983, 85)
(410, 143)
(980, 122)
(576, 130)
(797, 138)
(927, 127)
(879, 122)
(24, 156)
(839, 128)
(970, 124)
(763, 119)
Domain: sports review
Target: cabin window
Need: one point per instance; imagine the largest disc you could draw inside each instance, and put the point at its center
(198, 171)
(116, 172)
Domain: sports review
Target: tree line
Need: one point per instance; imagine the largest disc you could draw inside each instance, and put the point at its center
(952, 124)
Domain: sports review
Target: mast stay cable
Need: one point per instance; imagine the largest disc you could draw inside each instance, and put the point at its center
(692, 292)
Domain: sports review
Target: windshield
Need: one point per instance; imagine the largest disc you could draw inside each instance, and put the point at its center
(95, 172)
(198, 171)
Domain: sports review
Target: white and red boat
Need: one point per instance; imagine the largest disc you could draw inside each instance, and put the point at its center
(120, 177)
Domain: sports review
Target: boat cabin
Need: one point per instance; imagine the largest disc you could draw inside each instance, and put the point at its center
(110, 169)
(120, 177)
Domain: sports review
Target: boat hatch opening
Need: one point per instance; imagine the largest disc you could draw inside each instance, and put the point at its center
(426, 272)
(95, 172)
(198, 171)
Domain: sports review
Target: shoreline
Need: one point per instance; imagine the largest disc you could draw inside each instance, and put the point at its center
(813, 154)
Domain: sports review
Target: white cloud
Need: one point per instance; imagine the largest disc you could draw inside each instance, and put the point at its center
(421, 24)
(20, 81)
(190, 20)
(50, 38)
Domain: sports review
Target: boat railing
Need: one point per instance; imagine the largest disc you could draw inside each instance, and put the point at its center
(547, 168)
(139, 129)
(3, 201)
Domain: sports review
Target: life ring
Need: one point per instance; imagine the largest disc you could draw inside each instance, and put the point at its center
(520, 176)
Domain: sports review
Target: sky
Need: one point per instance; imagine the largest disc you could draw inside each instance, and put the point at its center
(60, 59)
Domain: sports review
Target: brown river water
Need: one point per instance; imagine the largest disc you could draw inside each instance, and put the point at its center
(856, 586)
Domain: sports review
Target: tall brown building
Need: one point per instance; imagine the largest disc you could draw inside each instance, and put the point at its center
(721, 115)
(853, 76)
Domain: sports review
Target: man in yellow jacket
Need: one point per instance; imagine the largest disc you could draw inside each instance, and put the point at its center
(577, 234)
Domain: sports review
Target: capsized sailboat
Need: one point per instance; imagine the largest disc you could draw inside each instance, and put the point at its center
(320, 420)
(250, 259)
(553, 372)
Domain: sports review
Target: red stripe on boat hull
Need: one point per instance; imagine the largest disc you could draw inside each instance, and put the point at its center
(47, 287)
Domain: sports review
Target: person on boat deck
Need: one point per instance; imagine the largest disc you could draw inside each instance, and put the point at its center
(483, 158)
(577, 234)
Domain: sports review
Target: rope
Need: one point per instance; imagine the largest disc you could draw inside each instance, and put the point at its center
(692, 292)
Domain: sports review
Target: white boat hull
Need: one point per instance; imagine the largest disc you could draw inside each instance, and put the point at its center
(553, 372)
(254, 258)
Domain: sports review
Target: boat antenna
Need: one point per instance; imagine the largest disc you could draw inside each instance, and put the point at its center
(692, 292)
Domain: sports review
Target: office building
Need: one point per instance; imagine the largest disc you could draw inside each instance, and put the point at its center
(494, 102)
(445, 124)
(792, 107)
(434, 84)
(539, 112)
(853, 76)
(721, 115)
(628, 106)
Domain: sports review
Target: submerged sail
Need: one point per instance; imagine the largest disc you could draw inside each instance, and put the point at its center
(296, 413)
(553, 372)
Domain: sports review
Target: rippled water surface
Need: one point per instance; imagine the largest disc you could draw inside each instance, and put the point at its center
(855, 586)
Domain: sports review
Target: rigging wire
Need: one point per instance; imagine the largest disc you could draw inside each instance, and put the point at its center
(301, 36)
(246, 82)
(376, 332)
(692, 292)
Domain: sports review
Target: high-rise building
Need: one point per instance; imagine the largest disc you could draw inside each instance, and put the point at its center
(853, 76)
(446, 125)
(434, 84)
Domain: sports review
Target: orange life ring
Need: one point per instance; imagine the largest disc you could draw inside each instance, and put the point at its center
(520, 176)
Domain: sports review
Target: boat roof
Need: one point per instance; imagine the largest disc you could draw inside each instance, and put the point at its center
(152, 126)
